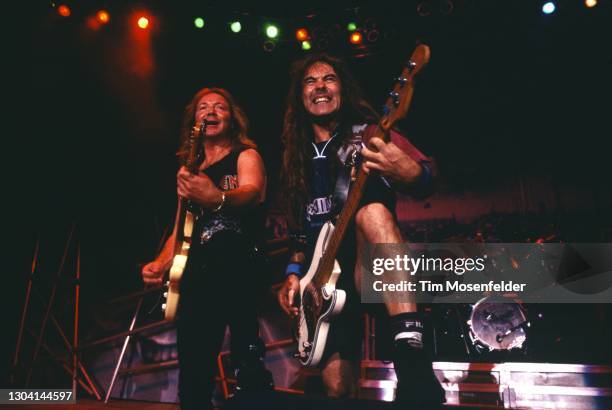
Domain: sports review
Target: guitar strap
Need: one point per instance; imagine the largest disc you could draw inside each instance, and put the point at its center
(350, 158)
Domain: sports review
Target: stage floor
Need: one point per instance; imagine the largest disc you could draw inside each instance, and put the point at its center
(91, 404)
(87, 404)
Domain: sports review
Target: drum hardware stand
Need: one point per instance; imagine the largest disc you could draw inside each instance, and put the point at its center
(523, 325)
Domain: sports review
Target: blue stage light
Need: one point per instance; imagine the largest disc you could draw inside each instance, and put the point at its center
(548, 7)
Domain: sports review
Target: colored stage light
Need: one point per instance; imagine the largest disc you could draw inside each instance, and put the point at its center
(301, 34)
(548, 8)
(306, 45)
(351, 26)
(356, 38)
(271, 31)
(143, 22)
(63, 10)
(199, 22)
(102, 16)
(235, 26)
(590, 3)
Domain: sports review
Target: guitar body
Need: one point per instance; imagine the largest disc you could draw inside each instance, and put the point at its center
(179, 262)
(319, 304)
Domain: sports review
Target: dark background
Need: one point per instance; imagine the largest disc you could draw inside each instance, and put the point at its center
(509, 92)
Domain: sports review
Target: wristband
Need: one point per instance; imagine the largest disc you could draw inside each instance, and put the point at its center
(294, 268)
(425, 179)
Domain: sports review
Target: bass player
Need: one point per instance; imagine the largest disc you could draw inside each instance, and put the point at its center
(325, 120)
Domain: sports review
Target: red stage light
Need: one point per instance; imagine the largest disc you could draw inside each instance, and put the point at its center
(63, 10)
(102, 16)
(356, 38)
(301, 34)
(143, 22)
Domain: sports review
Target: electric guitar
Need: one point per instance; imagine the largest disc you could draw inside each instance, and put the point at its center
(183, 227)
(320, 300)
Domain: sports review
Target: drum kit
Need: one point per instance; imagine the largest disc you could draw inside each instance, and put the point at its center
(494, 326)
(497, 324)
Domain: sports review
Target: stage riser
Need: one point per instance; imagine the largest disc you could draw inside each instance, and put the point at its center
(507, 385)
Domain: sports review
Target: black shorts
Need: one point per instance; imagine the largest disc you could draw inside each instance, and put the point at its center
(346, 329)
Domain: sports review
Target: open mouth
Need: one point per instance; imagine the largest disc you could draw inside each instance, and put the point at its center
(322, 99)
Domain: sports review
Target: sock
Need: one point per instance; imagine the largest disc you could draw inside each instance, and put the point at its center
(417, 383)
(408, 328)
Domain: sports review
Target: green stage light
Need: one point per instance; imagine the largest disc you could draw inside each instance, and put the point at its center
(235, 26)
(271, 31)
(199, 22)
(351, 26)
(306, 45)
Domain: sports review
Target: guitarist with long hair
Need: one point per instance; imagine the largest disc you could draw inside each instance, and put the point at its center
(325, 122)
(225, 194)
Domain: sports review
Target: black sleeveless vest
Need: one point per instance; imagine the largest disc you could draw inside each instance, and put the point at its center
(248, 221)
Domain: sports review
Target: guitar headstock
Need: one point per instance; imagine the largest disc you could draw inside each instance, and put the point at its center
(400, 97)
(195, 143)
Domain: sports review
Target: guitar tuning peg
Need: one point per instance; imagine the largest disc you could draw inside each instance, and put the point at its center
(411, 64)
(401, 80)
(163, 307)
(395, 96)
(166, 294)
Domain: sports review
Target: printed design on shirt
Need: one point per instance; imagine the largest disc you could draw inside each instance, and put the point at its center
(319, 206)
(217, 223)
(229, 182)
(321, 153)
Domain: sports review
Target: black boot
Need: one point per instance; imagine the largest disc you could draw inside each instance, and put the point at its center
(251, 373)
(416, 382)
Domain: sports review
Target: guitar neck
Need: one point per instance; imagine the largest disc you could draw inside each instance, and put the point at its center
(326, 265)
(192, 166)
(179, 224)
(396, 107)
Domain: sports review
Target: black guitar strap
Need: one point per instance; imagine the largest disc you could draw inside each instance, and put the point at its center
(350, 158)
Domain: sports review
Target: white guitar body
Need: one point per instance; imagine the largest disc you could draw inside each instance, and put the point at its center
(313, 329)
(179, 262)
